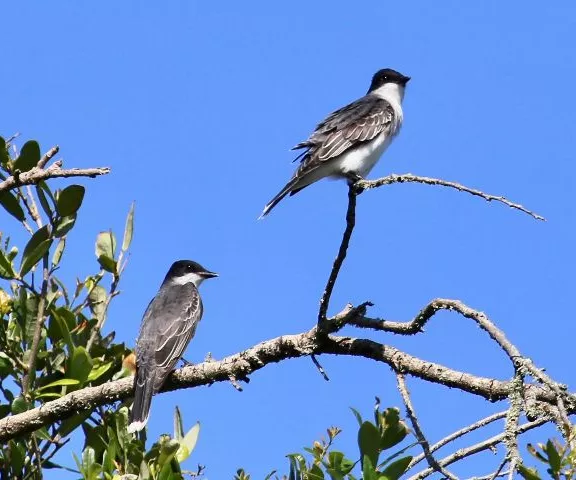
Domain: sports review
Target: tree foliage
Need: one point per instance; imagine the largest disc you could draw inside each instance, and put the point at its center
(51, 345)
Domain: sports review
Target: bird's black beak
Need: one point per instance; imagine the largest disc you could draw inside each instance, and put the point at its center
(208, 274)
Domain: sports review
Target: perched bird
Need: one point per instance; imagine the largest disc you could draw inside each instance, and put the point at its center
(168, 325)
(349, 141)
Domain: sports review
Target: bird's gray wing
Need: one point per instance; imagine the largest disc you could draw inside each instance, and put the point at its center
(346, 128)
(169, 324)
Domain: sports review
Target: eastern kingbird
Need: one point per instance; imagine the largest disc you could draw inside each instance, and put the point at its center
(349, 141)
(168, 325)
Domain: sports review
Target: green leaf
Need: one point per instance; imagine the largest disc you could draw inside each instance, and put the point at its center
(35, 256)
(59, 328)
(395, 470)
(80, 365)
(105, 244)
(97, 301)
(128, 230)
(42, 433)
(531, 449)
(72, 423)
(88, 463)
(6, 367)
(188, 443)
(108, 264)
(29, 156)
(35, 249)
(6, 270)
(70, 200)
(4, 157)
(64, 225)
(112, 450)
(17, 455)
(335, 459)
(58, 251)
(41, 190)
(48, 395)
(124, 438)
(178, 428)
(20, 405)
(394, 430)
(59, 383)
(357, 415)
(315, 473)
(369, 442)
(554, 458)
(368, 470)
(12, 205)
(528, 473)
(168, 448)
(98, 371)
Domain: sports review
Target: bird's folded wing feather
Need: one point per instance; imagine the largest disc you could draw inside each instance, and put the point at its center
(179, 311)
(343, 129)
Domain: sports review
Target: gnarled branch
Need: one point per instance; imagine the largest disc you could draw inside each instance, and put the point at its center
(37, 174)
(242, 364)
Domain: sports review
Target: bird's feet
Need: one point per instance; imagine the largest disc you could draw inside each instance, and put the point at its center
(186, 363)
(353, 181)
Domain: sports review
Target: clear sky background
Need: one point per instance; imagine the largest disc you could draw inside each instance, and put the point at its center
(194, 105)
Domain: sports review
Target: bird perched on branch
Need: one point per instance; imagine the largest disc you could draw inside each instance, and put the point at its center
(168, 325)
(349, 141)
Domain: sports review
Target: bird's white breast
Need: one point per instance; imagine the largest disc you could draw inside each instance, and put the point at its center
(362, 159)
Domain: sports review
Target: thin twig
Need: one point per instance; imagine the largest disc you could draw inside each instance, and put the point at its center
(31, 369)
(36, 175)
(37, 457)
(418, 430)
(235, 384)
(320, 368)
(477, 448)
(48, 156)
(350, 222)
(492, 476)
(34, 207)
(459, 433)
(32, 211)
(408, 177)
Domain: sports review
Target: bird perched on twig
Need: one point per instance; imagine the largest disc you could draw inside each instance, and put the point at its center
(349, 142)
(168, 325)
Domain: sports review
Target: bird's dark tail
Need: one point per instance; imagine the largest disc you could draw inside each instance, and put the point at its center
(143, 392)
(288, 189)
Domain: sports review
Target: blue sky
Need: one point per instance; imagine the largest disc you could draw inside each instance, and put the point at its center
(194, 105)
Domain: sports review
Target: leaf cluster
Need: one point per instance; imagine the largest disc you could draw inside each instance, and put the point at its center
(323, 461)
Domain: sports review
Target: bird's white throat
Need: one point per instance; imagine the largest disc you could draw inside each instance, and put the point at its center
(189, 278)
(393, 93)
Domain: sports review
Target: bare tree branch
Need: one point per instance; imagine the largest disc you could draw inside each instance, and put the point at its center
(242, 364)
(512, 422)
(418, 430)
(408, 177)
(350, 222)
(477, 448)
(55, 170)
(48, 156)
(459, 433)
